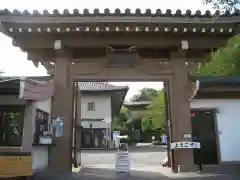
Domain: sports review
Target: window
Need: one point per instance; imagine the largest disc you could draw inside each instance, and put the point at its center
(41, 124)
(11, 125)
(91, 106)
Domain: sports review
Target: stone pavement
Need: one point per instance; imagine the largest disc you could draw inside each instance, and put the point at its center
(145, 164)
(139, 155)
(149, 172)
(105, 173)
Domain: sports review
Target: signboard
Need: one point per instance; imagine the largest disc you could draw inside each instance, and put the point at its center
(15, 166)
(164, 139)
(116, 134)
(185, 145)
(58, 125)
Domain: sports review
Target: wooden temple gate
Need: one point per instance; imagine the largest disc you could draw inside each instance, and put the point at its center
(119, 46)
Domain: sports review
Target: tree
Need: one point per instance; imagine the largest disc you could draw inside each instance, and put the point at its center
(146, 93)
(155, 114)
(223, 4)
(224, 62)
(120, 120)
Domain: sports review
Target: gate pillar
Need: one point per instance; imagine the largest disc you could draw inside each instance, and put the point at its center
(183, 159)
(60, 158)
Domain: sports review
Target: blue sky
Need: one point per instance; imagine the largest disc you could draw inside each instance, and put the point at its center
(14, 62)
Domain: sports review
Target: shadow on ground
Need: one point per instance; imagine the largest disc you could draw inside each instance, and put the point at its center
(91, 173)
(103, 173)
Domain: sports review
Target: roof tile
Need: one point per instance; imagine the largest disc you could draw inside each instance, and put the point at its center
(99, 86)
(118, 12)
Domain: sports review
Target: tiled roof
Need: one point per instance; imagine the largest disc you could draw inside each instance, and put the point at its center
(99, 86)
(137, 103)
(216, 79)
(117, 12)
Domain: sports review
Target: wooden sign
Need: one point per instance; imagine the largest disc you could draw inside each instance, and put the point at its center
(14, 166)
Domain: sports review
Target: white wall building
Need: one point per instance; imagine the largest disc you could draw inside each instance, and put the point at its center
(217, 103)
(227, 125)
(97, 105)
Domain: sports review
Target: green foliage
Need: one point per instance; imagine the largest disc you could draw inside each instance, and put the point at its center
(225, 62)
(223, 4)
(147, 94)
(155, 114)
(119, 122)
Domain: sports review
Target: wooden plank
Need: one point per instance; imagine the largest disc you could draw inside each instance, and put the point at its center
(14, 166)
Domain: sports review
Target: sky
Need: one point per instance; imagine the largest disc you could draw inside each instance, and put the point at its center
(14, 62)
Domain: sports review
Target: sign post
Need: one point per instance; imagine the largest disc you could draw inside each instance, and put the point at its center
(187, 145)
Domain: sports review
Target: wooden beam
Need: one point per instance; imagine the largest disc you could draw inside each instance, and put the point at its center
(41, 57)
(120, 76)
(100, 66)
(94, 40)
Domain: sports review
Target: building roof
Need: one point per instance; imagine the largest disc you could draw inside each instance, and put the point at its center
(216, 79)
(136, 106)
(26, 88)
(83, 86)
(217, 87)
(99, 86)
(220, 82)
(153, 34)
(117, 12)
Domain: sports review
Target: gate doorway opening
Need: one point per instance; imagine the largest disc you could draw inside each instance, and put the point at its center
(135, 110)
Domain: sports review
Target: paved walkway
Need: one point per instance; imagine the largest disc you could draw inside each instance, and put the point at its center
(145, 165)
(150, 172)
(104, 172)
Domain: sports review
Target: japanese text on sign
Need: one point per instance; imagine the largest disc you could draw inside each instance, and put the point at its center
(186, 145)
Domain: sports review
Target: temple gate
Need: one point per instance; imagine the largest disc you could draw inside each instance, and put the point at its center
(119, 46)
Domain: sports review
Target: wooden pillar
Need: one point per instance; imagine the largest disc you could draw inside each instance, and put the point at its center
(60, 158)
(180, 112)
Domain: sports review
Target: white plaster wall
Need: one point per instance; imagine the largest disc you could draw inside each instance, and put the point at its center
(44, 105)
(39, 157)
(228, 125)
(102, 111)
(102, 106)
